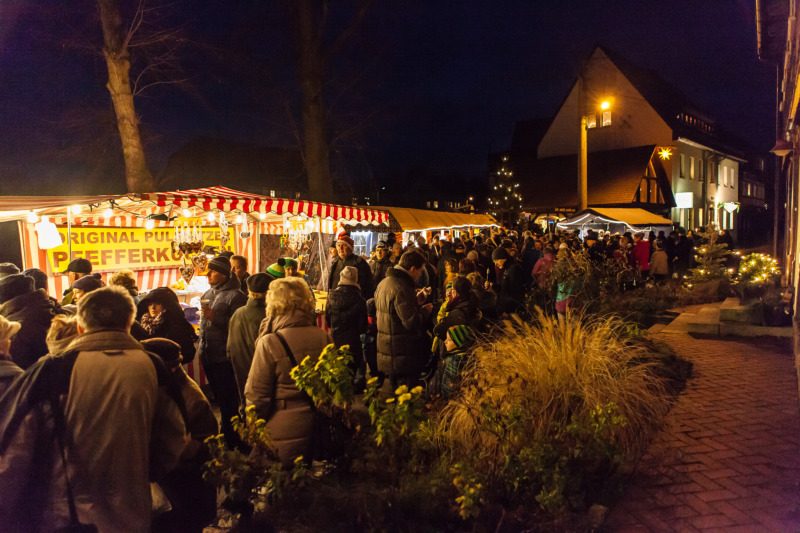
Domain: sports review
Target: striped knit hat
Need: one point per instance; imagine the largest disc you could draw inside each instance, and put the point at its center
(461, 335)
(276, 269)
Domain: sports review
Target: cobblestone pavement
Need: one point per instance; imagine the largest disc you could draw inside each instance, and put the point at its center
(729, 459)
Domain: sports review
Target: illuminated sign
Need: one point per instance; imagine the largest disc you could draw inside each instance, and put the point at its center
(684, 200)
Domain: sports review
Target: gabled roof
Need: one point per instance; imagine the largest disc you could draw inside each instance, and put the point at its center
(613, 178)
(631, 216)
(669, 102)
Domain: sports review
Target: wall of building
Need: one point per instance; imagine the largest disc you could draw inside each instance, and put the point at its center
(633, 121)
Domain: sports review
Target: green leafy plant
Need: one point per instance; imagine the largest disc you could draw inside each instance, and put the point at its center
(396, 416)
(471, 491)
(329, 379)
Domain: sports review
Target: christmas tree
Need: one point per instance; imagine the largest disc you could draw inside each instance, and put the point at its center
(710, 258)
(505, 200)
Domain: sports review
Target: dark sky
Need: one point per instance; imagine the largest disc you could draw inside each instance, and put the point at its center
(425, 84)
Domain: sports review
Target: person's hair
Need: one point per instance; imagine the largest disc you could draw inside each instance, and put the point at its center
(61, 327)
(242, 259)
(462, 286)
(256, 295)
(286, 295)
(476, 280)
(453, 264)
(126, 279)
(465, 266)
(549, 250)
(106, 308)
(411, 259)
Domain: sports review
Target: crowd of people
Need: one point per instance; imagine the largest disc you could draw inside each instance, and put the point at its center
(95, 406)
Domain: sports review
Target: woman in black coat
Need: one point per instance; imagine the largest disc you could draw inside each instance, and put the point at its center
(159, 314)
(346, 315)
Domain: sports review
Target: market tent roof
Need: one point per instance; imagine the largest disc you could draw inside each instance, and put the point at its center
(631, 216)
(140, 206)
(409, 219)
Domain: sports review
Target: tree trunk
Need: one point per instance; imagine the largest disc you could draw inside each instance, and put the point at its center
(311, 72)
(137, 176)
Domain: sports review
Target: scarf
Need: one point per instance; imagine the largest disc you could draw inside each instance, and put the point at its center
(151, 324)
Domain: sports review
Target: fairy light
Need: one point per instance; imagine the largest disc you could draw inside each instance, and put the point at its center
(149, 224)
(210, 217)
(108, 213)
(186, 213)
(33, 218)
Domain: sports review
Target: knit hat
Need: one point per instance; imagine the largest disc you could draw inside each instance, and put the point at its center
(461, 335)
(227, 254)
(289, 262)
(276, 269)
(39, 277)
(8, 328)
(7, 269)
(258, 282)
(382, 245)
(89, 283)
(499, 253)
(15, 285)
(349, 276)
(79, 266)
(169, 351)
(220, 264)
(345, 238)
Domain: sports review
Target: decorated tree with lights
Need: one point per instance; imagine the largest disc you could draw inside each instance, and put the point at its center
(505, 200)
(710, 257)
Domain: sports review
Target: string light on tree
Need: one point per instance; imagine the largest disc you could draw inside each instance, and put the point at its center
(505, 200)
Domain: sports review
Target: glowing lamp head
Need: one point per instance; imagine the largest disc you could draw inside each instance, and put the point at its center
(149, 224)
(76, 209)
(210, 217)
(262, 216)
(33, 218)
(108, 213)
(186, 213)
(238, 219)
(605, 104)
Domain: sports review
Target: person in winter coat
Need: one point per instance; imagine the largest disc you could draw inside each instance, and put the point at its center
(381, 264)
(122, 428)
(640, 256)
(9, 371)
(87, 283)
(76, 269)
(160, 315)
(346, 315)
(369, 343)
(512, 287)
(270, 387)
(34, 310)
(459, 340)
(541, 270)
(487, 300)
(243, 329)
(219, 303)
(659, 263)
(194, 502)
(239, 269)
(62, 332)
(127, 280)
(401, 322)
(344, 247)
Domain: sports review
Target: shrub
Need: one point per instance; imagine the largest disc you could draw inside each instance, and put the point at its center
(552, 406)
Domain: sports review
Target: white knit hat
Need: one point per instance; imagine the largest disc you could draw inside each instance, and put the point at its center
(7, 328)
(349, 276)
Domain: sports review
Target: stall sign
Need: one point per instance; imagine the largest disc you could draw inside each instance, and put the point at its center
(133, 248)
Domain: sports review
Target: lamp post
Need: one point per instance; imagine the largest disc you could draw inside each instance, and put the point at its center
(583, 194)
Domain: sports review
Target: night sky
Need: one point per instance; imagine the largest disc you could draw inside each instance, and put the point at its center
(432, 85)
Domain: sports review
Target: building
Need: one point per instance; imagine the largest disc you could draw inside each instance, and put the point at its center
(675, 160)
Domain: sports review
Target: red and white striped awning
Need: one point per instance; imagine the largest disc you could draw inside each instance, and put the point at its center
(224, 199)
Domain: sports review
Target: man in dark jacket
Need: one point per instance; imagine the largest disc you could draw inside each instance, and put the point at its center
(239, 269)
(21, 302)
(401, 322)
(76, 269)
(160, 315)
(381, 264)
(243, 329)
(344, 247)
(218, 306)
(346, 314)
(512, 290)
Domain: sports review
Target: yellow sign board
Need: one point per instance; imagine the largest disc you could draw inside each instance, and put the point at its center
(133, 248)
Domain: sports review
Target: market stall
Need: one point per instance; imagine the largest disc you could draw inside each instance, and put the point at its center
(615, 220)
(410, 223)
(167, 238)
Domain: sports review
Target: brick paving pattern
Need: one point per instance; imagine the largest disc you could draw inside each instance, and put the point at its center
(729, 459)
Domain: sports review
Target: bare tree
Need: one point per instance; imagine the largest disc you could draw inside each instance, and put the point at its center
(314, 54)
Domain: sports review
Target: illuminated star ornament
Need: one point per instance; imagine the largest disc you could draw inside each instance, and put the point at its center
(664, 153)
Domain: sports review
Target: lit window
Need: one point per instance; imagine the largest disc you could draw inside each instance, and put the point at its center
(436, 205)
(691, 167)
(749, 191)
(725, 176)
(428, 205)
(606, 118)
(591, 121)
(297, 196)
(733, 173)
(272, 193)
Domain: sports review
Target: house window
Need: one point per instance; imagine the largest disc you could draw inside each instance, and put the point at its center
(591, 121)
(749, 193)
(683, 166)
(272, 193)
(428, 205)
(361, 244)
(436, 204)
(710, 171)
(691, 167)
(700, 170)
(733, 173)
(606, 118)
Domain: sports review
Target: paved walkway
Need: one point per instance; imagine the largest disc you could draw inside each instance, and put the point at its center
(729, 459)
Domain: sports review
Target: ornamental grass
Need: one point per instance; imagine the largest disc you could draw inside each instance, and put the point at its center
(540, 377)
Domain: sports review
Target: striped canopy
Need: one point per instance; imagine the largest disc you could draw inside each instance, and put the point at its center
(140, 206)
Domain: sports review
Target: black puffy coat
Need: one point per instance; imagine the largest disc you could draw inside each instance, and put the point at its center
(34, 311)
(401, 326)
(346, 314)
(512, 290)
(174, 327)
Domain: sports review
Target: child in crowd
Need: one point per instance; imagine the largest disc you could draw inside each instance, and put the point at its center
(458, 342)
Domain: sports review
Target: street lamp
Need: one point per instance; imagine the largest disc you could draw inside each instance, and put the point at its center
(583, 194)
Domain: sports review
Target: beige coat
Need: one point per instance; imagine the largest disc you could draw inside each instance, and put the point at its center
(121, 430)
(271, 389)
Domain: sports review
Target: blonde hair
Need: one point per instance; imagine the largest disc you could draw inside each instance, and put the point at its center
(286, 295)
(62, 327)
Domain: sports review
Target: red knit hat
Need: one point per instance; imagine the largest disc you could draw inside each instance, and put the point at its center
(345, 238)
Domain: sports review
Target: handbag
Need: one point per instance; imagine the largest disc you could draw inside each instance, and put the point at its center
(330, 433)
